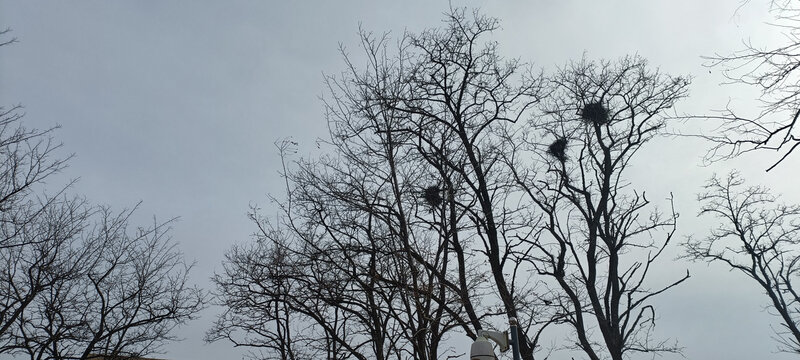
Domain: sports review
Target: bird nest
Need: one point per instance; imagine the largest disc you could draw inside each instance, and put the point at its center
(558, 149)
(432, 195)
(595, 113)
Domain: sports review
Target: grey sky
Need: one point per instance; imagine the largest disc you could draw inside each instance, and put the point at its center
(178, 104)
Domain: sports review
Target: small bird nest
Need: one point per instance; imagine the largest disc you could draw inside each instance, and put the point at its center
(432, 196)
(558, 149)
(595, 113)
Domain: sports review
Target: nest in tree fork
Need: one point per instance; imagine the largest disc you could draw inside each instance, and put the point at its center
(558, 149)
(595, 113)
(432, 196)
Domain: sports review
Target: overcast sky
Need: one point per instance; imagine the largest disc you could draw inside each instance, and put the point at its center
(178, 104)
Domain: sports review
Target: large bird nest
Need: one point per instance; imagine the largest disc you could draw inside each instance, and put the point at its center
(432, 195)
(595, 113)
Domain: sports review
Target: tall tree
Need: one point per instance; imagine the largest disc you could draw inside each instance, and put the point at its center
(456, 96)
(418, 227)
(758, 237)
(600, 235)
(410, 205)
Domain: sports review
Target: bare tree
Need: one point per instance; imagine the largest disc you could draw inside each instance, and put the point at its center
(600, 236)
(419, 226)
(759, 237)
(397, 224)
(34, 227)
(129, 292)
(256, 290)
(774, 71)
(44, 255)
(353, 269)
(457, 97)
(73, 282)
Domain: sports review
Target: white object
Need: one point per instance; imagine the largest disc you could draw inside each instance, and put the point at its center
(482, 349)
